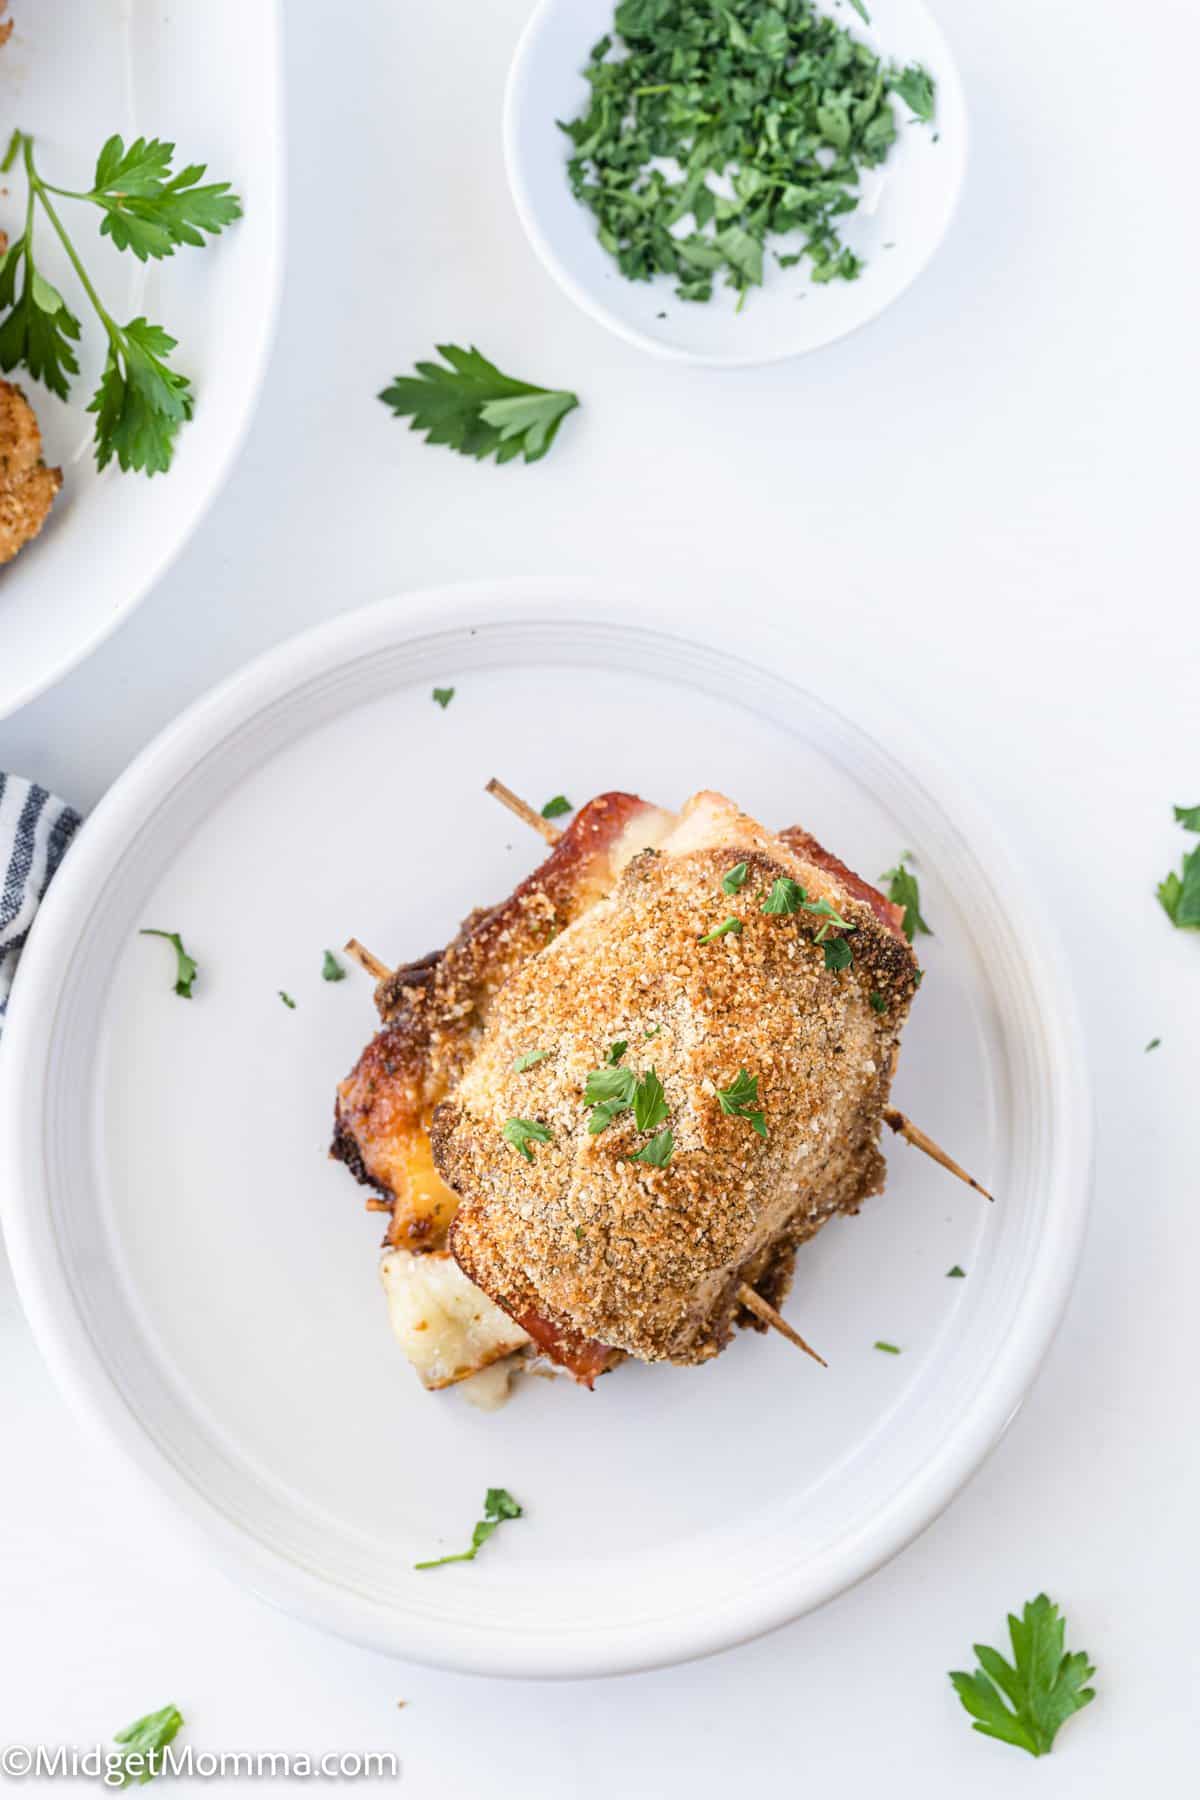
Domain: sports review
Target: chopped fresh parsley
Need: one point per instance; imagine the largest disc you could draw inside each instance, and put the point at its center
(443, 696)
(186, 967)
(1179, 895)
(889, 1349)
(649, 1102)
(287, 1000)
(141, 400)
(520, 1133)
(734, 925)
(652, 1032)
(712, 130)
(608, 1091)
(554, 809)
(498, 1505)
(740, 1100)
(955, 1274)
(877, 1002)
(658, 1151)
(735, 878)
(142, 1745)
(579, 1234)
(1025, 1702)
(1154, 1043)
(904, 891)
(331, 968)
(616, 1052)
(530, 1060)
(838, 954)
(786, 897)
(466, 403)
(826, 912)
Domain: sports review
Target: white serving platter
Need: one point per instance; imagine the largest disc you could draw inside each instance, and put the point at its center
(203, 1281)
(906, 209)
(208, 78)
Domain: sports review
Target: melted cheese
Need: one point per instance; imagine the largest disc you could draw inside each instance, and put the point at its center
(446, 1327)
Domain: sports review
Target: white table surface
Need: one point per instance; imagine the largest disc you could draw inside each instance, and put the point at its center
(991, 492)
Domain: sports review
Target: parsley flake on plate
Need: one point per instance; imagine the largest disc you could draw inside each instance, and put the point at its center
(142, 1745)
(465, 403)
(740, 1100)
(888, 1349)
(498, 1505)
(955, 1274)
(1026, 1702)
(331, 968)
(903, 890)
(443, 696)
(556, 808)
(520, 1133)
(186, 967)
(287, 1000)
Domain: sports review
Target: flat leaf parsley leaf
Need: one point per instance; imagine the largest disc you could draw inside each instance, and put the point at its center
(740, 1100)
(331, 968)
(658, 1151)
(186, 967)
(498, 1505)
(443, 696)
(1026, 1701)
(903, 890)
(556, 808)
(520, 1133)
(838, 955)
(474, 409)
(143, 1743)
(649, 1102)
(785, 898)
(735, 878)
(1179, 895)
(915, 87)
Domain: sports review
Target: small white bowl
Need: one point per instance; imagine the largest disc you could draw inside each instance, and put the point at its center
(897, 234)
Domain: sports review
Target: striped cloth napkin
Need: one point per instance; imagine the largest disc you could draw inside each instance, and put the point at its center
(35, 830)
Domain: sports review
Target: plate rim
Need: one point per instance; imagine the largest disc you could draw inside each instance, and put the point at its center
(271, 208)
(594, 307)
(62, 1336)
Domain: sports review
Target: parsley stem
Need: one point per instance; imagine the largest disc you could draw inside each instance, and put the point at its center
(37, 184)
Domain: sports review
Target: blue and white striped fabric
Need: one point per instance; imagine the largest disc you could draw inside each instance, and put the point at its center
(35, 830)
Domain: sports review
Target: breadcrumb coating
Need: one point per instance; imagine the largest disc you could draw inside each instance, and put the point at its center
(27, 486)
(648, 1260)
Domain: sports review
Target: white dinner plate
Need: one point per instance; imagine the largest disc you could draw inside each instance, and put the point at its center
(906, 208)
(203, 1280)
(209, 79)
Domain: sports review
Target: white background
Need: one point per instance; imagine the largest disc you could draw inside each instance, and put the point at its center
(988, 496)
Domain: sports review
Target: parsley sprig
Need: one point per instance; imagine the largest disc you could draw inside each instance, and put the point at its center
(186, 967)
(1025, 1702)
(498, 1505)
(465, 403)
(141, 401)
(521, 1133)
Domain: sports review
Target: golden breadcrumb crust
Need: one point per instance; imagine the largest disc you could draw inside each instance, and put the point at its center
(645, 1259)
(27, 486)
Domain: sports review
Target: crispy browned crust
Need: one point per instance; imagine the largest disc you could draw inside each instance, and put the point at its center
(435, 1011)
(644, 1259)
(27, 486)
